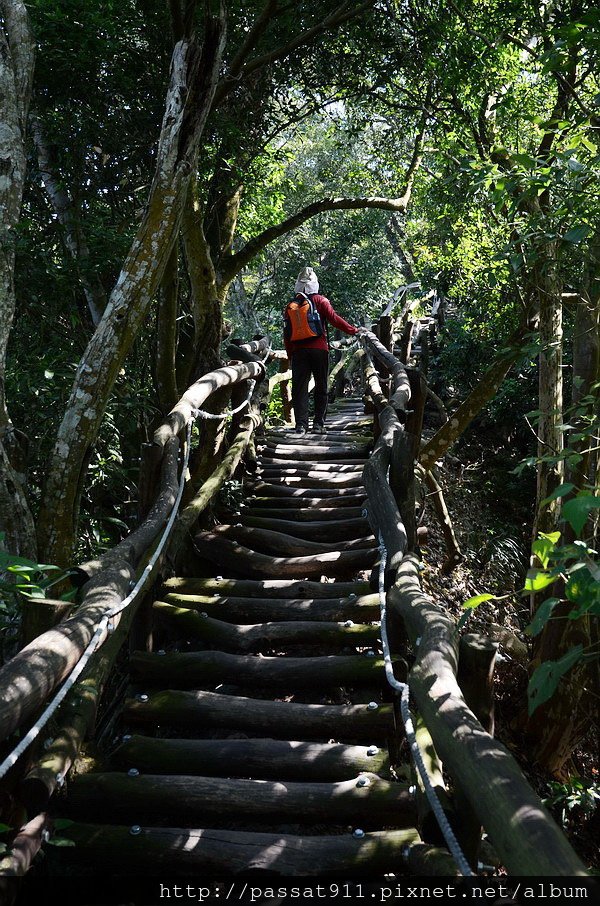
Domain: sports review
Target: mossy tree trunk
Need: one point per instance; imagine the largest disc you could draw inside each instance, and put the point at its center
(191, 90)
(17, 54)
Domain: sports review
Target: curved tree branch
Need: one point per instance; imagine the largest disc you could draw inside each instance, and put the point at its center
(235, 263)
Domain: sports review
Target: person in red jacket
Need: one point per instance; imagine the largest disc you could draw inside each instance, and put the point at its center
(311, 356)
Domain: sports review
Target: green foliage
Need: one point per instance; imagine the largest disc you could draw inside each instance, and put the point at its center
(22, 579)
(574, 568)
(29, 579)
(574, 800)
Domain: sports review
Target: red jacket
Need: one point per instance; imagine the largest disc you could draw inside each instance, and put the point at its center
(329, 316)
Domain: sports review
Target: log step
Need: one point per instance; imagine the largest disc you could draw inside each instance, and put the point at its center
(273, 542)
(267, 489)
(262, 759)
(234, 559)
(267, 588)
(330, 438)
(193, 669)
(312, 480)
(195, 711)
(320, 453)
(317, 468)
(193, 852)
(361, 609)
(308, 504)
(333, 530)
(318, 514)
(157, 799)
(267, 458)
(238, 639)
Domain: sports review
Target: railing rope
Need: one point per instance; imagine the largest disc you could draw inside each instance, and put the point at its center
(402, 690)
(104, 628)
(184, 417)
(221, 416)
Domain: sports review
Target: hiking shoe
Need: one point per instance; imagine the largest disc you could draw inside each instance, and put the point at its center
(300, 430)
(318, 428)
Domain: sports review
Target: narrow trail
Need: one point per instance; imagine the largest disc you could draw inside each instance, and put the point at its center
(259, 737)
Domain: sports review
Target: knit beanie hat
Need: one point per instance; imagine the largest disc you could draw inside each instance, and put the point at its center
(307, 281)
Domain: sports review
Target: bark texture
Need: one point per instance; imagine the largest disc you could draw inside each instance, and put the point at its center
(191, 90)
(17, 54)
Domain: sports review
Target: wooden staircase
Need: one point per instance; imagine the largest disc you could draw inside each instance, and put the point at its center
(259, 737)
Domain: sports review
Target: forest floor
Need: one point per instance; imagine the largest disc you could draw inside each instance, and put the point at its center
(491, 512)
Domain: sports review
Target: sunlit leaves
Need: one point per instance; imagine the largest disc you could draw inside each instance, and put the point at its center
(546, 677)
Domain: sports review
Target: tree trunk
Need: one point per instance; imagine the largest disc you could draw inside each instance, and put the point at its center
(190, 94)
(481, 394)
(557, 726)
(16, 73)
(166, 335)
(206, 299)
(550, 438)
(69, 220)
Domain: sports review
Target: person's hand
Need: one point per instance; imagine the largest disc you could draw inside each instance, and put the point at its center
(361, 332)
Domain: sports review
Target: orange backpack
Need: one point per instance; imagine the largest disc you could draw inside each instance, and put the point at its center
(301, 319)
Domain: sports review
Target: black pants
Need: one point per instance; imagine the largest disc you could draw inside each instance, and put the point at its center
(304, 363)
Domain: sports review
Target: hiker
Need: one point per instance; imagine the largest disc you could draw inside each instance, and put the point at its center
(305, 337)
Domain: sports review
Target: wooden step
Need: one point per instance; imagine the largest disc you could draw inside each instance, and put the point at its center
(241, 639)
(299, 502)
(246, 610)
(315, 530)
(193, 669)
(267, 588)
(316, 468)
(264, 489)
(233, 559)
(263, 759)
(277, 543)
(344, 438)
(267, 458)
(195, 852)
(158, 799)
(320, 453)
(312, 514)
(311, 480)
(196, 710)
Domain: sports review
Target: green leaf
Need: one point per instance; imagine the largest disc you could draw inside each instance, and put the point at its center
(544, 546)
(576, 511)
(578, 233)
(463, 620)
(542, 615)
(7, 560)
(561, 491)
(546, 678)
(537, 579)
(471, 603)
(4, 828)
(525, 160)
(60, 841)
(62, 823)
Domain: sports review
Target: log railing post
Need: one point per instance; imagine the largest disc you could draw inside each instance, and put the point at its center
(149, 477)
(38, 615)
(402, 483)
(286, 391)
(476, 660)
(414, 416)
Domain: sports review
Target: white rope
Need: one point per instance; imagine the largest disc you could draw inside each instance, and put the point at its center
(201, 413)
(104, 628)
(403, 691)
